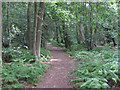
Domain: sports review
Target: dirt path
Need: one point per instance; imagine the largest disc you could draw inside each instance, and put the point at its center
(58, 76)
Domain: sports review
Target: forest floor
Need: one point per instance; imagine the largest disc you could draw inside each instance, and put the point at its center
(58, 75)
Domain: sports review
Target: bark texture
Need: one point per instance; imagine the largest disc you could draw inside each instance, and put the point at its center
(39, 31)
(29, 25)
(35, 28)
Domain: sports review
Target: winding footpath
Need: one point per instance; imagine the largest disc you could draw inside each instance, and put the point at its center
(58, 75)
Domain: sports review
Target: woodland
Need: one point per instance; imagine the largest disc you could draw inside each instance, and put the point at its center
(87, 31)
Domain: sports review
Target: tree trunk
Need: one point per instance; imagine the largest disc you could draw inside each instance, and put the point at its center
(91, 29)
(44, 39)
(65, 34)
(39, 31)
(88, 32)
(44, 33)
(85, 27)
(29, 25)
(35, 28)
(8, 25)
(77, 34)
(86, 37)
(57, 34)
(96, 25)
(60, 34)
(96, 17)
(80, 34)
(0, 35)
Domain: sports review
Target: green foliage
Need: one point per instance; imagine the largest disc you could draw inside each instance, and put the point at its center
(18, 55)
(80, 47)
(14, 73)
(55, 43)
(94, 69)
(75, 49)
(98, 49)
(17, 69)
(23, 55)
(61, 44)
(91, 83)
(45, 53)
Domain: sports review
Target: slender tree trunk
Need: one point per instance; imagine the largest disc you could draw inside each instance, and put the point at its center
(85, 27)
(29, 25)
(39, 31)
(1, 66)
(60, 34)
(57, 34)
(35, 28)
(44, 39)
(91, 29)
(44, 33)
(3, 31)
(86, 37)
(78, 31)
(118, 33)
(65, 34)
(96, 26)
(80, 34)
(0, 36)
(8, 24)
(77, 34)
(96, 17)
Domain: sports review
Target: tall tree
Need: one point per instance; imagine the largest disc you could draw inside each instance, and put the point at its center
(44, 36)
(65, 35)
(1, 44)
(80, 38)
(35, 28)
(78, 24)
(0, 33)
(88, 28)
(85, 26)
(60, 32)
(44, 32)
(119, 32)
(91, 28)
(57, 37)
(39, 31)
(77, 34)
(8, 23)
(29, 25)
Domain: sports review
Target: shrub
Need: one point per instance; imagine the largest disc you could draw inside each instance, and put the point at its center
(18, 70)
(45, 53)
(100, 67)
(19, 55)
(14, 73)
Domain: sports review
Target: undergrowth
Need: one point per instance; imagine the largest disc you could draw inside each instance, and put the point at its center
(23, 55)
(16, 74)
(95, 68)
(45, 54)
(20, 67)
(55, 43)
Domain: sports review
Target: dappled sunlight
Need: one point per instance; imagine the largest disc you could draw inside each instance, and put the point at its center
(55, 47)
(56, 60)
